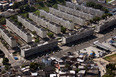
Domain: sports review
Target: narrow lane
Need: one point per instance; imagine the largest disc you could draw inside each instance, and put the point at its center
(7, 54)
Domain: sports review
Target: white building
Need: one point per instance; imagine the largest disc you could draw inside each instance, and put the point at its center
(67, 24)
(19, 31)
(89, 10)
(66, 16)
(7, 37)
(33, 27)
(28, 50)
(45, 23)
(104, 24)
(77, 36)
(75, 12)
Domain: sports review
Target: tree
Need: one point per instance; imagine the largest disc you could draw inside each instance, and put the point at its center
(7, 67)
(111, 66)
(34, 32)
(33, 66)
(5, 61)
(2, 20)
(90, 4)
(67, 65)
(96, 19)
(50, 34)
(37, 40)
(98, 6)
(109, 70)
(77, 70)
(105, 15)
(16, 5)
(105, 9)
(20, 24)
(63, 29)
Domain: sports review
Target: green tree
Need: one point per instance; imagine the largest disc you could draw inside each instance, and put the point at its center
(37, 40)
(5, 61)
(50, 34)
(111, 66)
(33, 66)
(109, 70)
(16, 5)
(90, 4)
(63, 29)
(7, 67)
(34, 32)
(105, 15)
(19, 23)
(98, 6)
(105, 9)
(96, 19)
(2, 20)
(77, 70)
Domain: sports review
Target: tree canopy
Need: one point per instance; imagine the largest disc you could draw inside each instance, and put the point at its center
(50, 34)
(5, 61)
(33, 66)
(96, 6)
(63, 29)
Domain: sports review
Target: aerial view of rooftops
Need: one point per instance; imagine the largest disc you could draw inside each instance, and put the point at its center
(57, 38)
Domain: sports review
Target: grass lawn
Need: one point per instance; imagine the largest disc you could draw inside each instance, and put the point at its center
(111, 58)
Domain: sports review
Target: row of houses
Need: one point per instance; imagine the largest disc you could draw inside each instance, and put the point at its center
(58, 20)
(19, 30)
(45, 23)
(89, 10)
(32, 27)
(66, 16)
(75, 12)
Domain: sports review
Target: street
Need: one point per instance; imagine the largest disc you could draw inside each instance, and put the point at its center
(7, 54)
